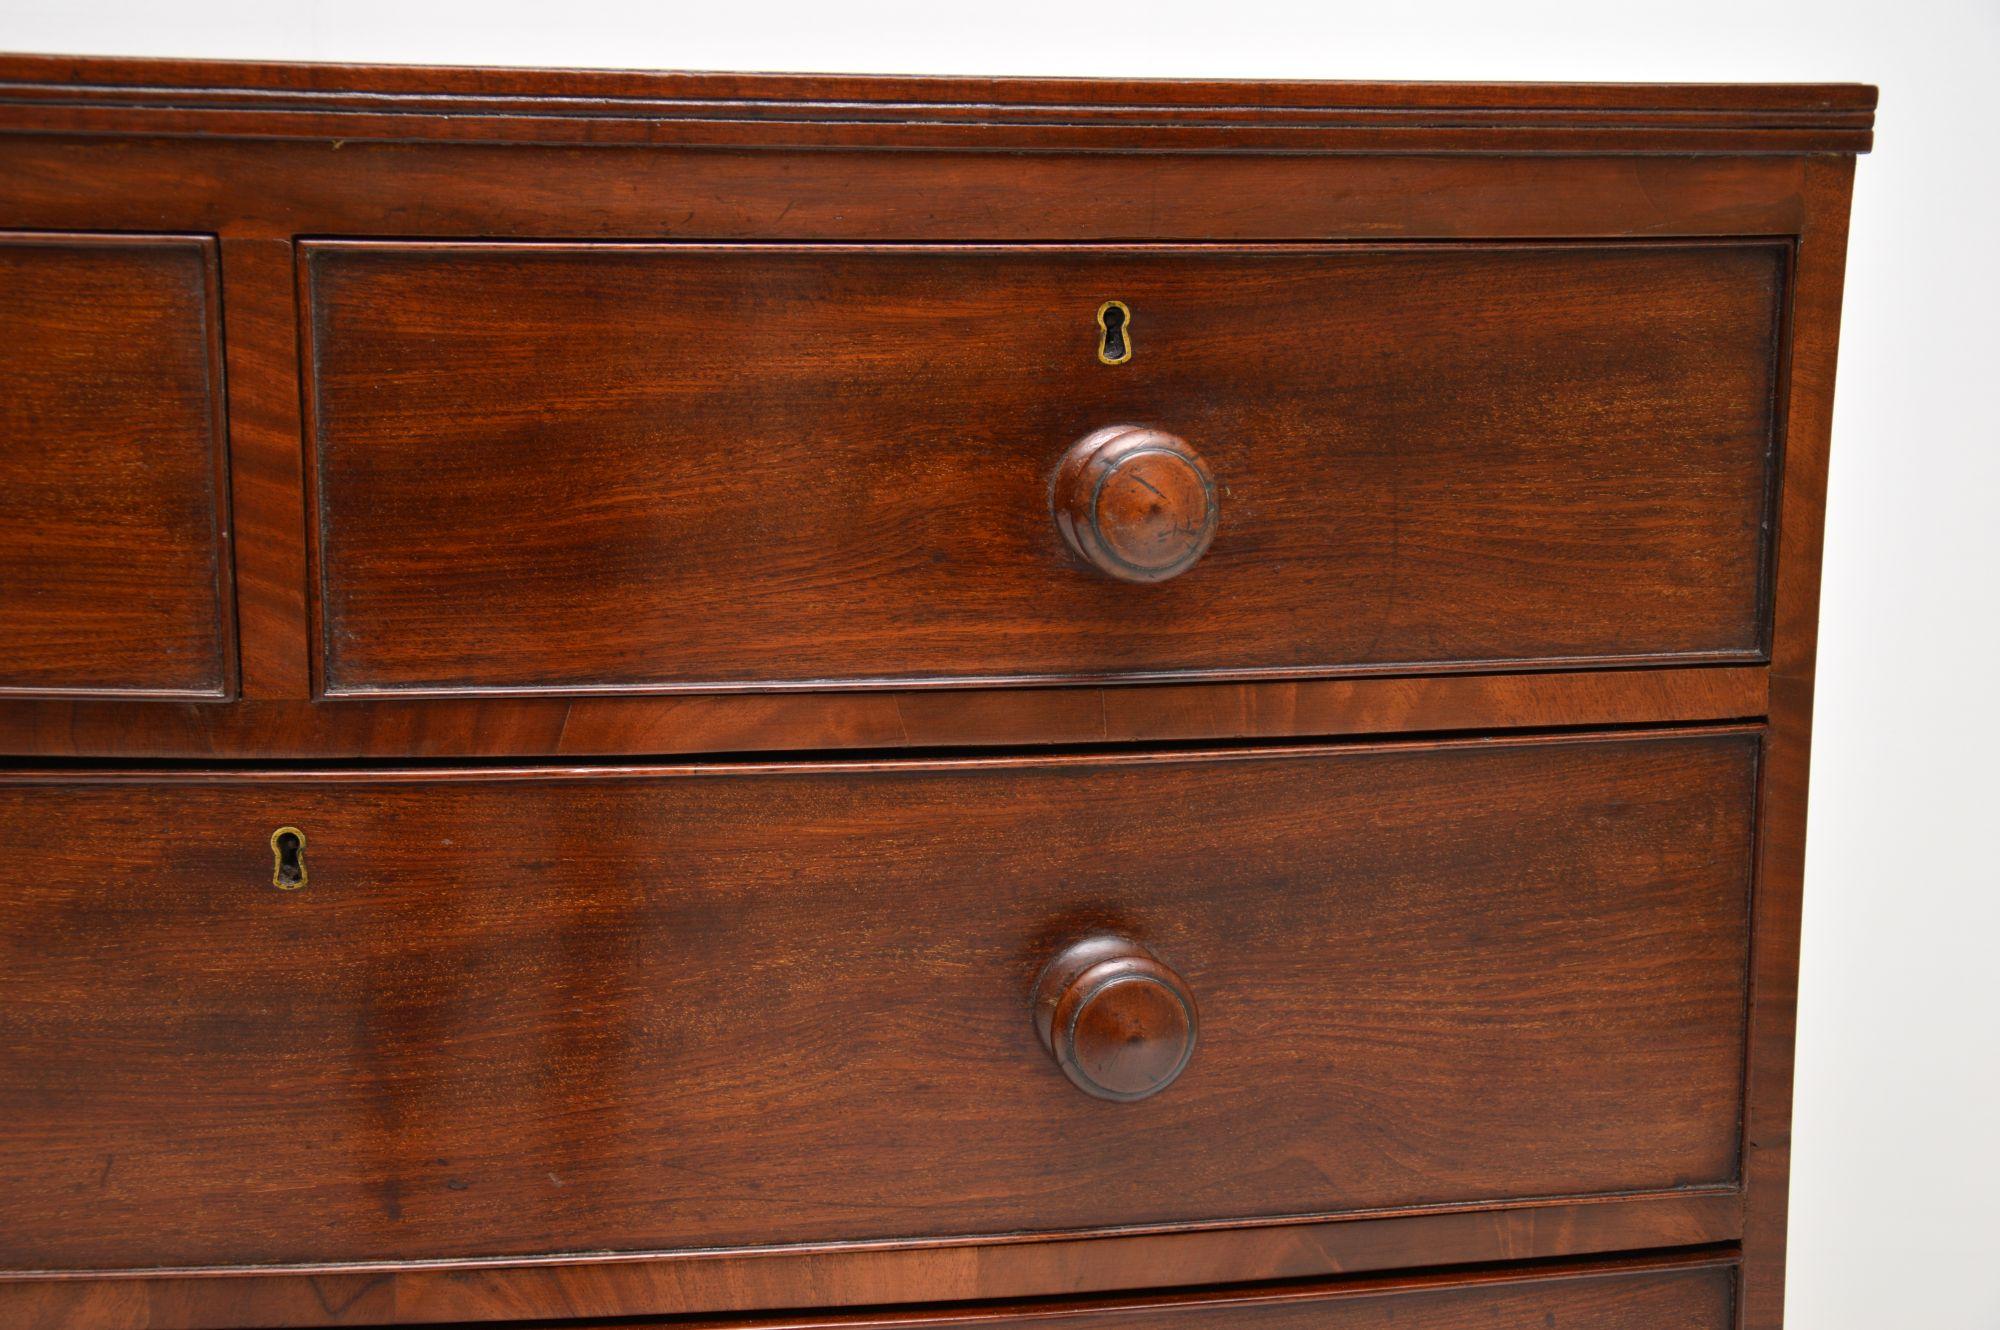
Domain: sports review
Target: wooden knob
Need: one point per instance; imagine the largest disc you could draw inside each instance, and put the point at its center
(1134, 503)
(1116, 1019)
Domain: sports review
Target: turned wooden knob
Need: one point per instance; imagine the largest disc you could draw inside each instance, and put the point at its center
(1134, 503)
(1116, 1019)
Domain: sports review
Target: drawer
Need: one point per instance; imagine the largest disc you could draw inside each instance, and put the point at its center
(113, 573)
(514, 1012)
(606, 467)
(1693, 1294)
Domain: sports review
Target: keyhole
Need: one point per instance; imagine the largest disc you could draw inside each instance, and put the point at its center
(288, 848)
(1114, 341)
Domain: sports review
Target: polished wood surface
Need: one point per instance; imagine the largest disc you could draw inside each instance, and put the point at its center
(474, 1031)
(889, 719)
(1767, 1129)
(276, 190)
(114, 561)
(1439, 457)
(1697, 1294)
(1136, 504)
(1515, 402)
(267, 475)
(360, 102)
(862, 1275)
(1115, 1017)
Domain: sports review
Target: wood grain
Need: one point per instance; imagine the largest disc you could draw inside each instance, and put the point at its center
(1694, 1294)
(709, 468)
(114, 526)
(276, 190)
(533, 1011)
(358, 102)
(934, 718)
(1815, 319)
(263, 1075)
(267, 467)
(860, 1275)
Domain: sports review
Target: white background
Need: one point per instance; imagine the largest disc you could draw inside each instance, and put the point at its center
(1896, 1194)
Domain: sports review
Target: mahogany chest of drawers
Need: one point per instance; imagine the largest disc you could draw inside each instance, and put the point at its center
(837, 702)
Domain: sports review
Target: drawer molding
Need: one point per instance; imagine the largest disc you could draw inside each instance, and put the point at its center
(861, 1274)
(360, 103)
(583, 727)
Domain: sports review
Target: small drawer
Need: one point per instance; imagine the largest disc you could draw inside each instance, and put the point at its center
(114, 577)
(348, 1016)
(634, 467)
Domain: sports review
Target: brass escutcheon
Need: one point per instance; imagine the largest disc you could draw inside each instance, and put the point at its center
(1114, 332)
(288, 854)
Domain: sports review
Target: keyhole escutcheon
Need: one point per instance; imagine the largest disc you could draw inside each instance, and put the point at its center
(288, 851)
(1114, 332)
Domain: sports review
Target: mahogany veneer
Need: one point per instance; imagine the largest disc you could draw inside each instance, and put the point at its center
(1013, 437)
(700, 467)
(475, 1030)
(114, 564)
(1693, 1294)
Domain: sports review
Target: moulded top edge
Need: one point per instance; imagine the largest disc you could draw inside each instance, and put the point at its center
(236, 99)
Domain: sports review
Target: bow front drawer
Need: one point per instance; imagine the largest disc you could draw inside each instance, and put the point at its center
(630, 467)
(1698, 1294)
(346, 1016)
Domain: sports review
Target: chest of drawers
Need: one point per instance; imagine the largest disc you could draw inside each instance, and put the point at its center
(833, 702)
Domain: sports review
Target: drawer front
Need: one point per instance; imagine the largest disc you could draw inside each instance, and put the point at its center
(627, 467)
(664, 1009)
(113, 576)
(1664, 1295)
